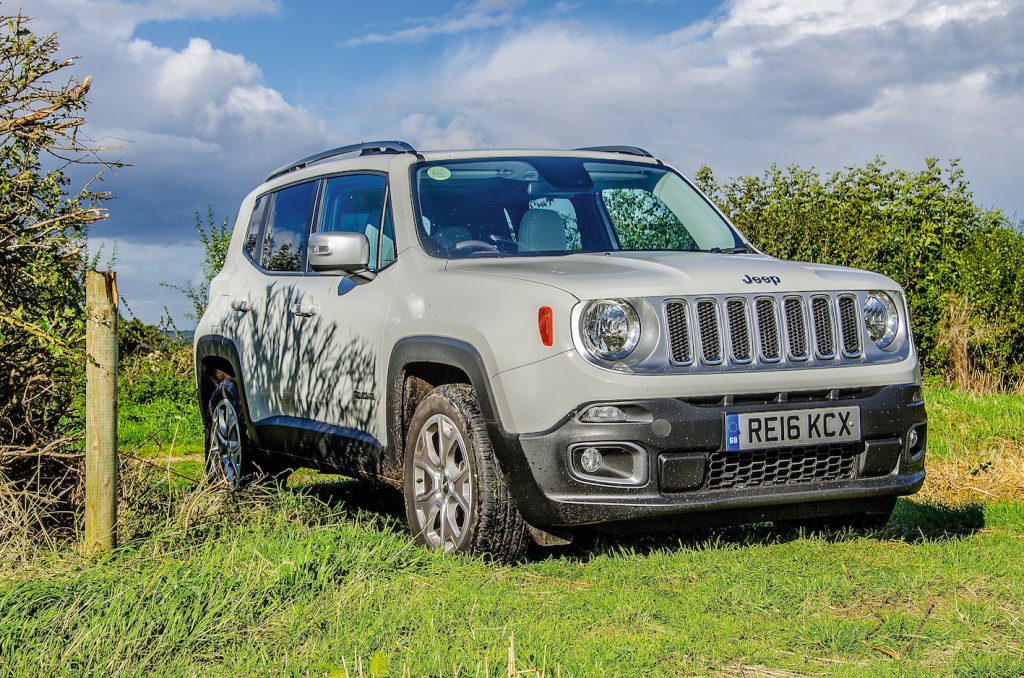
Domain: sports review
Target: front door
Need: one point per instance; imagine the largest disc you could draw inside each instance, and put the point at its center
(338, 321)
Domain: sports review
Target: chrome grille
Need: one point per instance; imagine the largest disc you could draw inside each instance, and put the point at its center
(710, 336)
(679, 332)
(768, 329)
(849, 325)
(824, 337)
(796, 327)
(739, 330)
(763, 330)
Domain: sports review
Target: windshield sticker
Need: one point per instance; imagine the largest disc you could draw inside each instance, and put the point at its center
(439, 173)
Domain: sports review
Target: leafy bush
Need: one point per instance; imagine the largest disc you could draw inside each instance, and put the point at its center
(42, 229)
(164, 373)
(159, 410)
(42, 237)
(215, 238)
(962, 265)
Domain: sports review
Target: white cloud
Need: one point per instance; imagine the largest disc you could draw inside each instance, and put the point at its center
(198, 123)
(828, 83)
(424, 131)
(200, 96)
(117, 19)
(465, 17)
(196, 73)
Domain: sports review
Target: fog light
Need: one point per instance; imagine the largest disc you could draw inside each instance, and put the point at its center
(591, 460)
(912, 439)
(603, 414)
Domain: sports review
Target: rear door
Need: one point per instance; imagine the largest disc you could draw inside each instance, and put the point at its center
(275, 317)
(238, 306)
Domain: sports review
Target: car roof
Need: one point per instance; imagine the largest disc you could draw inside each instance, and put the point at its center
(383, 161)
(526, 152)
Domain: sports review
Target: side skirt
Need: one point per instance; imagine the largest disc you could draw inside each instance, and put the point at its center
(323, 447)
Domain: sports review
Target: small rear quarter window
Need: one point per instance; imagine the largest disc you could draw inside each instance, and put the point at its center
(252, 233)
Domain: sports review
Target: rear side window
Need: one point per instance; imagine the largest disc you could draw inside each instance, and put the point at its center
(355, 203)
(252, 234)
(284, 241)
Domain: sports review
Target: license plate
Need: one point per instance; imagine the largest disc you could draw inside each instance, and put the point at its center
(757, 430)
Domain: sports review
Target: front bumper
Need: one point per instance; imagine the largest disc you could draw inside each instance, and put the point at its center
(682, 440)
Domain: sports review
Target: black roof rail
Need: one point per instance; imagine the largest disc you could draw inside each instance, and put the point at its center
(628, 150)
(364, 148)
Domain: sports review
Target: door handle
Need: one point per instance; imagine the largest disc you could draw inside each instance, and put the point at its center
(304, 310)
(241, 305)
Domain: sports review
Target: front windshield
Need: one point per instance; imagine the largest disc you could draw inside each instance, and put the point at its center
(543, 206)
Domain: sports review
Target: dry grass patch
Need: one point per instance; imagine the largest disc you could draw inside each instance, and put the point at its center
(997, 477)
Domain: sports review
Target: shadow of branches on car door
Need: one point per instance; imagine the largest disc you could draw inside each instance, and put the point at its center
(311, 384)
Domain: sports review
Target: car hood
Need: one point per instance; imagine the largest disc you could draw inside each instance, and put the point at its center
(652, 274)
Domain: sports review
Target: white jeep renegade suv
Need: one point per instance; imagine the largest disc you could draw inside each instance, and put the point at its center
(526, 342)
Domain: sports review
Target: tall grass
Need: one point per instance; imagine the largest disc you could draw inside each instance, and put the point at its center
(321, 579)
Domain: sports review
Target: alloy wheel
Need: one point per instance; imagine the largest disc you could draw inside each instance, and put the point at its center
(224, 458)
(443, 489)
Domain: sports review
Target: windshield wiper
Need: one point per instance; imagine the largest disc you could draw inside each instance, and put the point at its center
(739, 249)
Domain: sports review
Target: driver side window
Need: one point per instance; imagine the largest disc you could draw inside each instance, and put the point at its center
(355, 203)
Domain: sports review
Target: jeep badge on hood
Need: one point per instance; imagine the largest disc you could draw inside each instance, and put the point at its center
(762, 280)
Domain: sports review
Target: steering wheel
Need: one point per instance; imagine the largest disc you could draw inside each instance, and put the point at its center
(475, 247)
(503, 243)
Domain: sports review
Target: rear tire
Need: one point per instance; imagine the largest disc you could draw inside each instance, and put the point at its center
(455, 497)
(228, 452)
(231, 459)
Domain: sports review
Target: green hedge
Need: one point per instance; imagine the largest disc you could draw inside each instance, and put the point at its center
(961, 264)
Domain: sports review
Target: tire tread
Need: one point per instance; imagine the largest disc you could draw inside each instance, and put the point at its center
(500, 532)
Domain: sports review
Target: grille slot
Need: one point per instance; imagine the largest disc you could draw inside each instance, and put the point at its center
(782, 466)
(768, 329)
(796, 327)
(849, 325)
(739, 330)
(824, 336)
(679, 332)
(710, 336)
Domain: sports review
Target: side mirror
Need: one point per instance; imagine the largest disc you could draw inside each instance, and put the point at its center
(338, 252)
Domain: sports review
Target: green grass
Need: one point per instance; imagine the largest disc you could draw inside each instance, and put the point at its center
(321, 578)
(965, 426)
(307, 583)
(160, 428)
(158, 413)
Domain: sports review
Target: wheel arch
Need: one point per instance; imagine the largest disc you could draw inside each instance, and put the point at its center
(418, 364)
(217, 356)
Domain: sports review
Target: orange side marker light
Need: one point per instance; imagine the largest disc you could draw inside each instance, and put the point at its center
(545, 323)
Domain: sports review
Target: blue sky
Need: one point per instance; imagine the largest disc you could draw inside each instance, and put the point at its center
(204, 97)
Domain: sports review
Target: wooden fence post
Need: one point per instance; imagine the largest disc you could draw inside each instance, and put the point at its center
(100, 411)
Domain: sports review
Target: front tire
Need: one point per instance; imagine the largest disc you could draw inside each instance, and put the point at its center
(455, 498)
